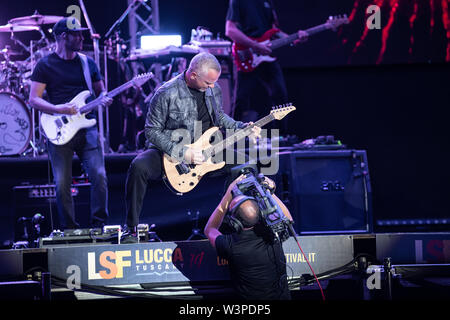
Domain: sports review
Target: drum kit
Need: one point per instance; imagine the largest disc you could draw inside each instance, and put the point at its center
(17, 119)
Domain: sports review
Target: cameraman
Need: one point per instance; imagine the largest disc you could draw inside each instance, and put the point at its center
(256, 259)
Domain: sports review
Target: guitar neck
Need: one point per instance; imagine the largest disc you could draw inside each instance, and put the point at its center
(238, 135)
(94, 103)
(277, 43)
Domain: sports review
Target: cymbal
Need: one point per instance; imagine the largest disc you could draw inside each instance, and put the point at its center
(35, 20)
(9, 52)
(13, 28)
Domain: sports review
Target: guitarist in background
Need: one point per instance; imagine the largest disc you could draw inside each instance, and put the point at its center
(61, 75)
(191, 101)
(247, 19)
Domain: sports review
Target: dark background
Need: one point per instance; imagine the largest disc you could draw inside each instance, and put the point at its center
(414, 30)
(393, 105)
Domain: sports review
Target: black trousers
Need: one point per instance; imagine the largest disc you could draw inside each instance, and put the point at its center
(258, 91)
(147, 166)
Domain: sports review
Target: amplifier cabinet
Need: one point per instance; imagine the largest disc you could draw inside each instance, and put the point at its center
(327, 191)
(29, 200)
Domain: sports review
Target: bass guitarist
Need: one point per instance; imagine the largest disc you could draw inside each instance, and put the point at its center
(246, 21)
(61, 74)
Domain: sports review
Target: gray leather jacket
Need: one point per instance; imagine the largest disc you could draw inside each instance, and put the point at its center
(173, 107)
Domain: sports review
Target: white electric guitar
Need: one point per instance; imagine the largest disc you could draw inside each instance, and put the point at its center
(60, 128)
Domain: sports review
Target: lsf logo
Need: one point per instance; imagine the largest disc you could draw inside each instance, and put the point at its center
(374, 280)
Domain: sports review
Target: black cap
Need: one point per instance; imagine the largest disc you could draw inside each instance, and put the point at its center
(67, 25)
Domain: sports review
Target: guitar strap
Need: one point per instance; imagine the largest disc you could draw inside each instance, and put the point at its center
(86, 72)
(275, 16)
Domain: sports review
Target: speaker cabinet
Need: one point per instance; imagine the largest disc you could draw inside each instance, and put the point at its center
(326, 191)
(32, 199)
(227, 93)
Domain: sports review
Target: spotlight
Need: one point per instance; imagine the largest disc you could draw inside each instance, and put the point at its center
(158, 42)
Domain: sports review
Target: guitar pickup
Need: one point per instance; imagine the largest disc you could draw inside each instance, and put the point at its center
(58, 123)
(182, 168)
(64, 119)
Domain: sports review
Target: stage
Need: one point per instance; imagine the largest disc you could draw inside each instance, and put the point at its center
(97, 267)
(371, 267)
(371, 211)
(172, 214)
(349, 259)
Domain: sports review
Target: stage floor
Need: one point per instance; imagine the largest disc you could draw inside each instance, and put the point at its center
(177, 268)
(350, 267)
(172, 214)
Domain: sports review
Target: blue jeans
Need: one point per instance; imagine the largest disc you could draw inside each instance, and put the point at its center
(85, 145)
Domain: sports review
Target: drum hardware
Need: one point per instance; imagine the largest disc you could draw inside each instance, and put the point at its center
(35, 20)
(17, 28)
(19, 129)
(7, 52)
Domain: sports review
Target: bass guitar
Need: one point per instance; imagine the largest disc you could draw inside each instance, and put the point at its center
(247, 60)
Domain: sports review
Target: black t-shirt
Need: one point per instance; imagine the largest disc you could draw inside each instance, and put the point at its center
(257, 265)
(64, 79)
(253, 17)
(202, 109)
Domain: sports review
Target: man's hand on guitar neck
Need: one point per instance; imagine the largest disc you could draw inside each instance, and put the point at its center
(105, 101)
(263, 48)
(256, 132)
(302, 37)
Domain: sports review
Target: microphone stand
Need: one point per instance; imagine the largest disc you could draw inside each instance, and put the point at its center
(122, 17)
(108, 35)
(95, 40)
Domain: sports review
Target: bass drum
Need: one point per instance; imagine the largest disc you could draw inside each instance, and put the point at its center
(15, 125)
